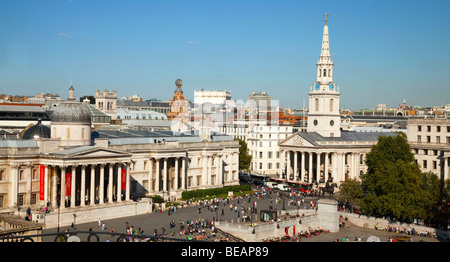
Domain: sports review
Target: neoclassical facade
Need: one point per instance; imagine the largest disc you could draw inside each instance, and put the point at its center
(76, 168)
(325, 152)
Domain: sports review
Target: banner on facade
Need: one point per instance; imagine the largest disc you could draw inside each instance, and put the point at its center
(68, 183)
(41, 182)
(124, 176)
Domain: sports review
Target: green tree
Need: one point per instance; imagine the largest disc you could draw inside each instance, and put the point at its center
(352, 190)
(394, 185)
(244, 158)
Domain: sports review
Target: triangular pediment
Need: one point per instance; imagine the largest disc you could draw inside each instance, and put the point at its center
(90, 152)
(296, 140)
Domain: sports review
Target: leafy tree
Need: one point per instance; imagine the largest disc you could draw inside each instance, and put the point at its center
(351, 190)
(394, 185)
(244, 158)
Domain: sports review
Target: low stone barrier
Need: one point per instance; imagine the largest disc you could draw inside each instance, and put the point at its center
(370, 222)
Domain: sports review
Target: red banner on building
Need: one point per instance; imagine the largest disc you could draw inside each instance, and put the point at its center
(124, 176)
(41, 182)
(68, 183)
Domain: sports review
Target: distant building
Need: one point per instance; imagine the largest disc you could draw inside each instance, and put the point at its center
(106, 102)
(429, 139)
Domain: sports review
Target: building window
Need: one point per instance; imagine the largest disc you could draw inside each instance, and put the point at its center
(424, 163)
(438, 139)
(331, 104)
(428, 139)
(260, 154)
(438, 128)
(316, 104)
(419, 139)
(428, 128)
(269, 165)
(434, 164)
(419, 128)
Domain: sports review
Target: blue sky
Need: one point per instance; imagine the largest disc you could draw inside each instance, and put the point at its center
(384, 50)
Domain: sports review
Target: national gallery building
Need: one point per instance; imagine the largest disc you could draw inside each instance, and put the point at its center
(68, 165)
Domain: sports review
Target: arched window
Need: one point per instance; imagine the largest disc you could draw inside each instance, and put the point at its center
(331, 104)
(324, 72)
(316, 104)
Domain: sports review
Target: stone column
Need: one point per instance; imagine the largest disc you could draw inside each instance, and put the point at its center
(54, 184)
(73, 180)
(204, 170)
(175, 183)
(164, 176)
(110, 183)
(83, 186)
(288, 169)
(183, 173)
(119, 182)
(445, 167)
(282, 160)
(219, 170)
(325, 167)
(102, 184)
(302, 178)
(92, 186)
(295, 166)
(310, 173)
(157, 174)
(150, 175)
(14, 185)
(318, 165)
(62, 200)
(127, 182)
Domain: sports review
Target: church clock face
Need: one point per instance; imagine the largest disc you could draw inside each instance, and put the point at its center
(331, 87)
(317, 86)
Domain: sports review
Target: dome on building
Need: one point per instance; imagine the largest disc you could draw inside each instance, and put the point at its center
(38, 130)
(71, 112)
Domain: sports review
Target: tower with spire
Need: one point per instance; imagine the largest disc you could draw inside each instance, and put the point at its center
(323, 115)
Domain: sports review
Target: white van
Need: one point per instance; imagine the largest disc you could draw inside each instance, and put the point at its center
(283, 187)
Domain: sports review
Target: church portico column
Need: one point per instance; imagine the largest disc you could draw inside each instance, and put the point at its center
(310, 169)
(302, 178)
(325, 168)
(295, 166)
(318, 166)
(288, 168)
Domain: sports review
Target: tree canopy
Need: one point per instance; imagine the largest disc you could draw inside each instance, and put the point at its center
(394, 185)
(244, 158)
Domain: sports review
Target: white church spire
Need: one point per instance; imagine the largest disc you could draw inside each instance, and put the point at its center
(323, 114)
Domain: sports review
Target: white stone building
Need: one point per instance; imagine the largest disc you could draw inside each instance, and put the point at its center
(262, 143)
(429, 139)
(81, 173)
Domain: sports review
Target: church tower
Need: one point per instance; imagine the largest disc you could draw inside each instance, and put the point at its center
(323, 116)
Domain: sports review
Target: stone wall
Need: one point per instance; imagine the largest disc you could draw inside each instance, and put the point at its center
(91, 214)
(370, 222)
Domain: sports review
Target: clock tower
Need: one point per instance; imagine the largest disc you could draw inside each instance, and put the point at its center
(323, 116)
